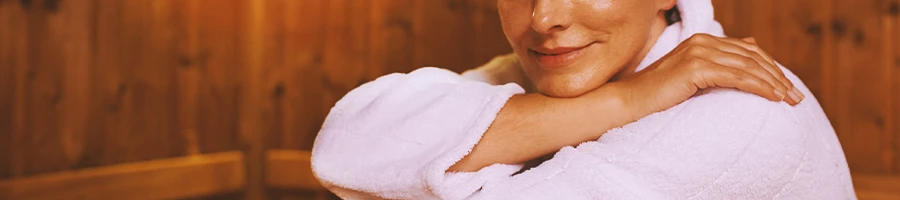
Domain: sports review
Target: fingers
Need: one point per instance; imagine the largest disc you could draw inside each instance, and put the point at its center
(737, 56)
(730, 77)
(753, 50)
(749, 67)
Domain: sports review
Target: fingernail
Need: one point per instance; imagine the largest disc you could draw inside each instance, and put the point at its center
(797, 95)
(779, 95)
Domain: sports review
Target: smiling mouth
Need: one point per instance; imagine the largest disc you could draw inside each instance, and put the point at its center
(558, 57)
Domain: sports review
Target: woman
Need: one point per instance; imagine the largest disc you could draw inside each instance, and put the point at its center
(591, 65)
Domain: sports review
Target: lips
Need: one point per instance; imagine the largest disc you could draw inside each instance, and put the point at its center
(554, 58)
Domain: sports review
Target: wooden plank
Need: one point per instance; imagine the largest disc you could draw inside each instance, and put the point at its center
(253, 107)
(893, 10)
(725, 14)
(801, 41)
(391, 47)
(11, 50)
(136, 59)
(863, 85)
(158, 179)
(876, 195)
(488, 40)
(345, 57)
(74, 26)
(302, 105)
(876, 186)
(210, 63)
(188, 76)
(290, 169)
(43, 93)
(440, 35)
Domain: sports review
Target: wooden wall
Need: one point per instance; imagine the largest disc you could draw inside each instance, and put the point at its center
(848, 54)
(94, 83)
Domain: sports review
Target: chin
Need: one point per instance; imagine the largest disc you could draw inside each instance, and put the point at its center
(567, 89)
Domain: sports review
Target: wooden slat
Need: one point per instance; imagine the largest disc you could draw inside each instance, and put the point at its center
(876, 186)
(302, 80)
(390, 32)
(291, 169)
(892, 62)
(862, 84)
(486, 32)
(208, 73)
(12, 32)
(440, 35)
(43, 98)
(74, 25)
(802, 41)
(135, 70)
(253, 106)
(159, 179)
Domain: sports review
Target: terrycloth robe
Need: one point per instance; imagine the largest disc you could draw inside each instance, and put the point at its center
(395, 137)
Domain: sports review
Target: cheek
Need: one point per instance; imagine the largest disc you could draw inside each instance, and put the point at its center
(515, 17)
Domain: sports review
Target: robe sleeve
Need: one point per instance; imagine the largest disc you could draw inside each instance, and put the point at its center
(395, 137)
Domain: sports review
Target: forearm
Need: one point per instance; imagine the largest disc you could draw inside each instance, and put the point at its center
(532, 125)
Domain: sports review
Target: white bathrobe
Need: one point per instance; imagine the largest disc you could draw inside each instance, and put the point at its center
(395, 137)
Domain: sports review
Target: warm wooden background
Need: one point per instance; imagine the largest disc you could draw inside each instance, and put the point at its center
(90, 83)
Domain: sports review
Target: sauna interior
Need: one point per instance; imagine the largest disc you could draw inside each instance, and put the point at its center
(222, 99)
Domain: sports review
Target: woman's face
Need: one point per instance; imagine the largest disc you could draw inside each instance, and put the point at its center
(570, 47)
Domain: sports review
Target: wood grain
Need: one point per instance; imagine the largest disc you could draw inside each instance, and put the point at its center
(94, 83)
(862, 82)
(159, 179)
(253, 106)
(11, 33)
(893, 11)
(869, 186)
(291, 169)
(439, 35)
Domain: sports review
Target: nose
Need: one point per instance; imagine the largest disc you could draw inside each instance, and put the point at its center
(550, 16)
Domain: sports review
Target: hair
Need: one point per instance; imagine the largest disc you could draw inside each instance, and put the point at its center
(673, 15)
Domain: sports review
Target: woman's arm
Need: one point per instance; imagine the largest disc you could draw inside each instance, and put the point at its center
(533, 125)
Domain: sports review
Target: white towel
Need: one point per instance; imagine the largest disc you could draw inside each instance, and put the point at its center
(395, 137)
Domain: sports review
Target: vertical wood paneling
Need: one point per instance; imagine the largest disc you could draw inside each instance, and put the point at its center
(862, 85)
(439, 34)
(43, 81)
(892, 10)
(87, 83)
(802, 41)
(486, 33)
(254, 109)
(347, 39)
(391, 30)
(11, 33)
(137, 56)
(214, 54)
(75, 26)
(303, 106)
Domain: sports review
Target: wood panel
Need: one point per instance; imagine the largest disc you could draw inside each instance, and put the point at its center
(892, 64)
(171, 178)
(863, 85)
(11, 33)
(842, 50)
(876, 187)
(91, 83)
(291, 169)
(893, 10)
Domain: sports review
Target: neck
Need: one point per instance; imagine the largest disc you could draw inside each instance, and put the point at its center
(657, 27)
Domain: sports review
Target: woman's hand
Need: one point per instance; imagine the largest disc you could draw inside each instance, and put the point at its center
(529, 126)
(705, 61)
